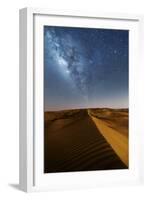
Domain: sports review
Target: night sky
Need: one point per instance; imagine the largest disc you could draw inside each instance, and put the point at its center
(85, 67)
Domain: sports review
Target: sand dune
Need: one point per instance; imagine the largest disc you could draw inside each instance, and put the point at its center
(116, 119)
(118, 141)
(113, 125)
(74, 142)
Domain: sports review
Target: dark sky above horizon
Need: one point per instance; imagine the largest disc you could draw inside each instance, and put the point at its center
(85, 67)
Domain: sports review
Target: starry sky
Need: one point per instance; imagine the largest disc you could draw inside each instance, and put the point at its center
(85, 68)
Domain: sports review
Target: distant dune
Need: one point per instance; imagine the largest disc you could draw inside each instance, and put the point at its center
(85, 140)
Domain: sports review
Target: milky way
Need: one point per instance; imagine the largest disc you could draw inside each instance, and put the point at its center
(69, 58)
(85, 66)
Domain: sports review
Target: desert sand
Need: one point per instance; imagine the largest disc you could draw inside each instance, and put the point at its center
(85, 140)
(113, 125)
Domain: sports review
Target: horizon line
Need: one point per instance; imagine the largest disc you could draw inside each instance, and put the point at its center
(87, 108)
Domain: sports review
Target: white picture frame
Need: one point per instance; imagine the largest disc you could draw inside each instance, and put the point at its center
(31, 100)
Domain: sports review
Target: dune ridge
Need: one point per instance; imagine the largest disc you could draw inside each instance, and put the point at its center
(118, 141)
(74, 142)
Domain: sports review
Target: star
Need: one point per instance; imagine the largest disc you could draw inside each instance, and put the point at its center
(115, 51)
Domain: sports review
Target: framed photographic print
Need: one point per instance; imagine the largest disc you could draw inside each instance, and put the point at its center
(80, 116)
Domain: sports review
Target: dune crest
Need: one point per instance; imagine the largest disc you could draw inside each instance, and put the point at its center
(75, 140)
(118, 141)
